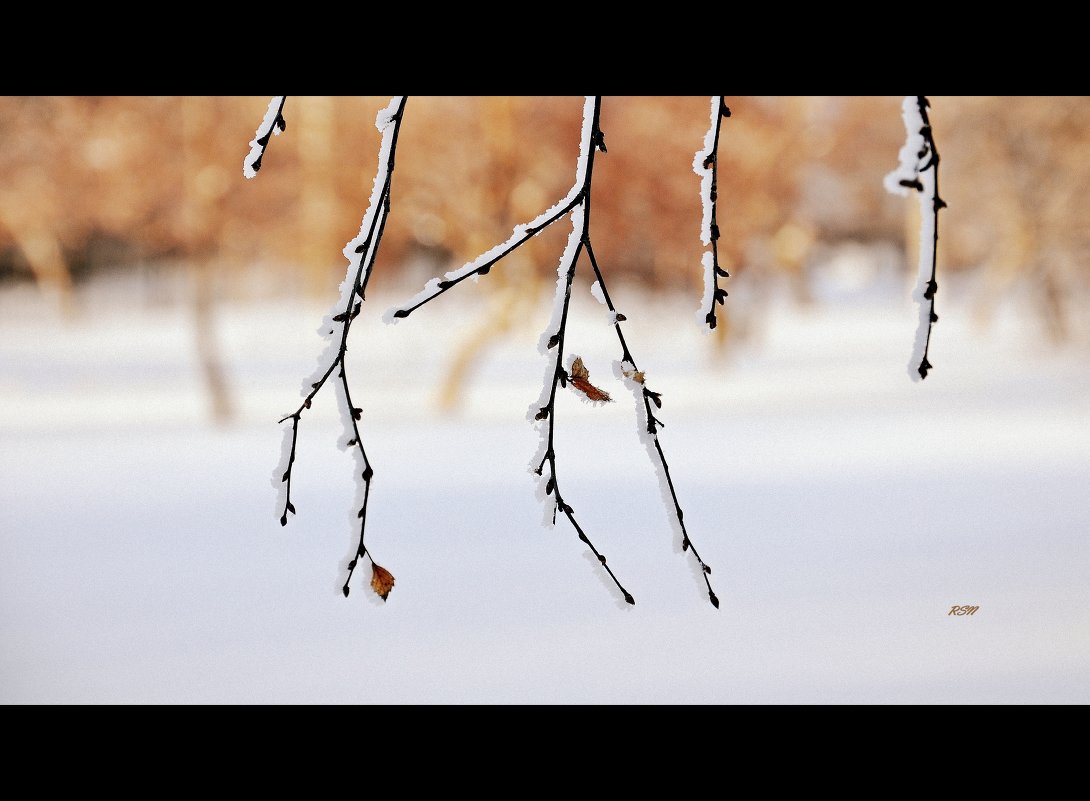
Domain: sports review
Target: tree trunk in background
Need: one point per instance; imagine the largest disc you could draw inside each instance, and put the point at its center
(319, 218)
(513, 290)
(200, 199)
(25, 220)
(208, 346)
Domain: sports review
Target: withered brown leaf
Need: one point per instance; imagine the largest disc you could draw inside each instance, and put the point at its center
(382, 580)
(635, 375)
(580, 379)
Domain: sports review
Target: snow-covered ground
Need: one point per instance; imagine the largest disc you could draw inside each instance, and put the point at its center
(843, 508)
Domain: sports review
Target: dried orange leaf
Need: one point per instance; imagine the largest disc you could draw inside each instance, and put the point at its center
(635, 375)
(382, 580)
(580, 379)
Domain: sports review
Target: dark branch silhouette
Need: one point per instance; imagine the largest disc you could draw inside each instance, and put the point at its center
(706, 165)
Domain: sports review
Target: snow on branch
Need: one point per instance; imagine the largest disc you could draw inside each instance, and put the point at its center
(272, 124)
(706, 165)
(575, 203)
(520, 235)
(918, 170)
(542, 413)
(648, 427)
(361, 253)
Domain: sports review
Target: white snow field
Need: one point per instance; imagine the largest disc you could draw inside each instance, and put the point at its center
(843, 509)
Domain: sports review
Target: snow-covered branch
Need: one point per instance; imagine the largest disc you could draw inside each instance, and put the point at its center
(542, 413)
(649, 424)
(706, 165)
(520, 235)
(918, 170)
(577, 204)
(361, 252)
(273, 123)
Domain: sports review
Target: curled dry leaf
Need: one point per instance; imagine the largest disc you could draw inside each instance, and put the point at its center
(635, 375)
(382, 580)
(580, 379)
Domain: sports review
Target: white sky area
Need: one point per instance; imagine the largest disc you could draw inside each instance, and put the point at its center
(843, 509)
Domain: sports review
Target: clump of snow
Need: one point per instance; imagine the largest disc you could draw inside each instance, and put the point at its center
(282, 467)
(923, 272)
(913, 150)
(706, 177)
(705, 174)
(912, 156)
(596, 290)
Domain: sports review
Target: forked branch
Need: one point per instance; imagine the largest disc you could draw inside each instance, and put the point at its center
(543, 413)
(361, 253)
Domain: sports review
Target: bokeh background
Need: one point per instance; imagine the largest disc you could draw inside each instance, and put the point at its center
(158, 313)
(149, 185)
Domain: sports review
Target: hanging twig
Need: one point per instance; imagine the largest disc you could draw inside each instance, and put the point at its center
(361, 253)
(919, 170)
(706, 165)
(649, 428)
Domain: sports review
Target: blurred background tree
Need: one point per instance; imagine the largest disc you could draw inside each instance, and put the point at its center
(153, 186)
